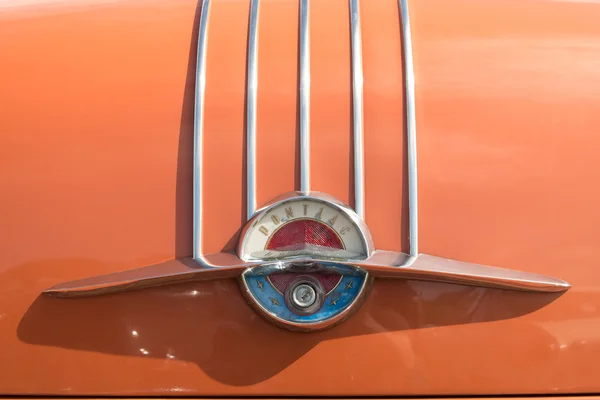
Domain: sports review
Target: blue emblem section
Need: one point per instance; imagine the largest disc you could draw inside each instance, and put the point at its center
(338, 300)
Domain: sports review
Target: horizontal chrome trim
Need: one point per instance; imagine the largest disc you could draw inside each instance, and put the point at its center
(304, 97)
(389, 264)
(252, 87)
(382, 264)
(224, 265)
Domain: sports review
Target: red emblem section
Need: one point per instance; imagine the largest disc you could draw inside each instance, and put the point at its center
(295, 235)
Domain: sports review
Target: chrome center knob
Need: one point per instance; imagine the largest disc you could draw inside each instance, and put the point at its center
(304, 295)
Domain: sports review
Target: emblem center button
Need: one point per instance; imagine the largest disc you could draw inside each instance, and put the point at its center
(305, 295)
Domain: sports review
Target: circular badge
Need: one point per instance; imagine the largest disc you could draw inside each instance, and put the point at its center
(303, 288)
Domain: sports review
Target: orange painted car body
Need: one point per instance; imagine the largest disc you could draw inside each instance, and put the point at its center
(96, 176)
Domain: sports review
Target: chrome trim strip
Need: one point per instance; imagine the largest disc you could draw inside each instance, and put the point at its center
(390, 265)
(304, 97)
(252, 86)
(381, 265)
(357, 107)
(223, 266)
(199, 128)
(411, 129)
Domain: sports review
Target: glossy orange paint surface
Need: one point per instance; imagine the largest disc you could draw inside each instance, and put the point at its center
(95, 177)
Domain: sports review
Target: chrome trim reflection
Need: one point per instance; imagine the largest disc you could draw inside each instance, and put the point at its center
(381, 265)
(357, 107)
(224, 265)
(411, 132)
(304, 97)
(252, 87)
(389, 264)
(199, 128)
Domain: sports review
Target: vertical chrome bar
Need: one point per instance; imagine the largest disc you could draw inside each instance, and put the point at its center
(252, 82)
(199, 128)
(357, 105)
(413, 217)
(304, 97)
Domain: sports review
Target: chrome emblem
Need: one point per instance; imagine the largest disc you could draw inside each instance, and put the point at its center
(306, 261)
(303, 243)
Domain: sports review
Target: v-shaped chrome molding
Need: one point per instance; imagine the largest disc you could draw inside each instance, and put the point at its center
(379, 264)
